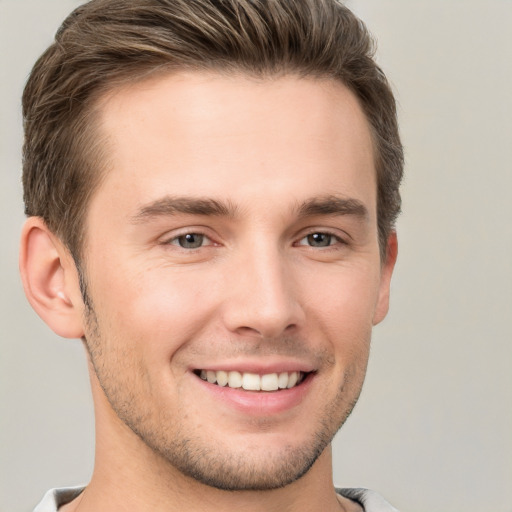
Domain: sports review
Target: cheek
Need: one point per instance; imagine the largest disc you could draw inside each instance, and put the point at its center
(345, 298)
(341, 313)
(154, 311)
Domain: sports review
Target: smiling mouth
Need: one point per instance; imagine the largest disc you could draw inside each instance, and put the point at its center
(252, 381)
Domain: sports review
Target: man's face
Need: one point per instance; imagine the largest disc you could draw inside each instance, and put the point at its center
(233, 238)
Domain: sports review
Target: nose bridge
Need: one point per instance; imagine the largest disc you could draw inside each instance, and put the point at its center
(263, 298)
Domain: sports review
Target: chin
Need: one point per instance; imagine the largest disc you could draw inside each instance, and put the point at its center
(243, 472)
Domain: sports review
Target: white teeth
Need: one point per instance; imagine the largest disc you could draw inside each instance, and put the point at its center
(222, 378)
(292, 379)
(234, 379)
(253, 381)
(269, 382)
(282, 380)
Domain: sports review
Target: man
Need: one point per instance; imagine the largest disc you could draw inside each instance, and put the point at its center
(211, 189)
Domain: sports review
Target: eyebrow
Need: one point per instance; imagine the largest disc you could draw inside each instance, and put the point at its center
(333, 205)
(169, 205)
(187, 205)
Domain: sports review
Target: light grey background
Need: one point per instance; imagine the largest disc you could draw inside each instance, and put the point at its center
(432, 431)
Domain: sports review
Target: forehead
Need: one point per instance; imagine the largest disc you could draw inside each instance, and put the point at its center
(212, 135)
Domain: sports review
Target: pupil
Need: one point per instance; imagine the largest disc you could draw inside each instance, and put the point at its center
(191, 241)
(319, 240)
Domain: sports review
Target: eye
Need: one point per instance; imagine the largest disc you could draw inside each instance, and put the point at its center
(190, 241)
(320, 239)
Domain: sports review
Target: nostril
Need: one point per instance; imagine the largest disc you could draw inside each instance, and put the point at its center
(265, 332)
(248, 331)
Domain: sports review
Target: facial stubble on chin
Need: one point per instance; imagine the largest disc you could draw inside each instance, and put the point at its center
(199, 458)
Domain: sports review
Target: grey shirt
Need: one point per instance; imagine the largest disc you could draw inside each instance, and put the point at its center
(369, 500)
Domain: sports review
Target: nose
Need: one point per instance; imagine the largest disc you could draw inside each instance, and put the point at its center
(262, 296)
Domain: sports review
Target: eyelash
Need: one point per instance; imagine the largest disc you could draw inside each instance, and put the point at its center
(176, 240)
(179, 240)
(333, 240)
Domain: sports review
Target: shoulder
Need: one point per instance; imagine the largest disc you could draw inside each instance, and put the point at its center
(56, 498)
(369, 500)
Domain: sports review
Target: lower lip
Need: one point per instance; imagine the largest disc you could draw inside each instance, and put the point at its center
(259, 403)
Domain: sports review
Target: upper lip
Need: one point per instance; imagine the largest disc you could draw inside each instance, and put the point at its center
(258, 367)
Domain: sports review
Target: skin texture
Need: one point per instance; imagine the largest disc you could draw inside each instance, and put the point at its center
(254, 169)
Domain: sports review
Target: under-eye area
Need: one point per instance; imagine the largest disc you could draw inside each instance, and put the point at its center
(253, 381)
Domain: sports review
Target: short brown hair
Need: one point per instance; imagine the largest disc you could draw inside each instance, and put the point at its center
(105, 43)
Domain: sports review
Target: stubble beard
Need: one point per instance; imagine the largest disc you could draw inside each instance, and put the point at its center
(197, 457)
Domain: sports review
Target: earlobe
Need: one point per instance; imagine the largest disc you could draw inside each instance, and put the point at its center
(387, 267)
(50, 279)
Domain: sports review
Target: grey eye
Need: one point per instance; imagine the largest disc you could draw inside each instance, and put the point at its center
(319, 239)
(190, 240)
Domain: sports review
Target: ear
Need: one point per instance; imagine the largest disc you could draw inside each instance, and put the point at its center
(50, 279)
(386, 272)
